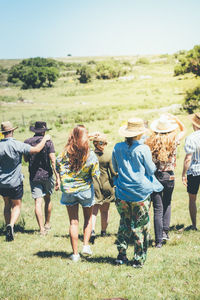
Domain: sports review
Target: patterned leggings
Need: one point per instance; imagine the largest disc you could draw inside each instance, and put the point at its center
(134, 220)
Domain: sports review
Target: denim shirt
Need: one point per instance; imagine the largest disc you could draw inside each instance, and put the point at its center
(135, 180)
(11, 152)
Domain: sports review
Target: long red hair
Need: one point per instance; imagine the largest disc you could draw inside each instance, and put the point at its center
(77, 147)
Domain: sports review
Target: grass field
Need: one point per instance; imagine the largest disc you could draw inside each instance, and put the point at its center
(34, 267)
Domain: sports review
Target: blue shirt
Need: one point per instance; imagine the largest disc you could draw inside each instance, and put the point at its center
(192, 146)
(135, 168)
(11, 152)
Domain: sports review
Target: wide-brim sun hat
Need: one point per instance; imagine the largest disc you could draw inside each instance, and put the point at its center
(195, 119)
(39, 127)
(134, 127)
(7, 127)
(163, 125)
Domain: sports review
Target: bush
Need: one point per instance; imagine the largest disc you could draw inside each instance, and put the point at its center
(85, 74)
(142, 61)
(34, 72)
(110, 69)
(192, 100)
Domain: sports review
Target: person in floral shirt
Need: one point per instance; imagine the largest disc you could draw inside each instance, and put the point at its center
(77, 165)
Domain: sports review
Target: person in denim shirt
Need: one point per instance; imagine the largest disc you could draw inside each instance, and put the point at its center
(134, 183)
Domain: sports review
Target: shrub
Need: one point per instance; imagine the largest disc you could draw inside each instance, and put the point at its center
(34, 72)
(192, 100)
(109, 69)
(85, 74)
(142, 61)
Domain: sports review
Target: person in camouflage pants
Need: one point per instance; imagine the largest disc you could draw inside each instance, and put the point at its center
(134, 219)
(134, 183)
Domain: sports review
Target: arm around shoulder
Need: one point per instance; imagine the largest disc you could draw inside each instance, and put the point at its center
(40, 146)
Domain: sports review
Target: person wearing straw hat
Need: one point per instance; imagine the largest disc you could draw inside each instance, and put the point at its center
(134, 183)
(163, 143)
(103, 187)
(11, 184)
(41, 175)
(191, 167)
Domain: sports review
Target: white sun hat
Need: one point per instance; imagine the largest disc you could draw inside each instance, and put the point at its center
(163, 125)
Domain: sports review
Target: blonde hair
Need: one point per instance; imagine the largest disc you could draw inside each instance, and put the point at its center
(162, 145)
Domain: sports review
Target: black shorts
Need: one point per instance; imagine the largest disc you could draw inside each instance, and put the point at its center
(13, 193)
(193, 184)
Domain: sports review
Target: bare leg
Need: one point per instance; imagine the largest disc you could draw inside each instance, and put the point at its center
(47, 210)
(38, 213)
(193, 208)
(7, 209)
(104, 215)
(15, 213)
(87, 229)
(73, 229)
(94, 215)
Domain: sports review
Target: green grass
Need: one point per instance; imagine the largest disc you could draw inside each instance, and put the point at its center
(34, 267)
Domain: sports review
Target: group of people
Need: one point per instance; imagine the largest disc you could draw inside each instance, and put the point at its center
(138, 172)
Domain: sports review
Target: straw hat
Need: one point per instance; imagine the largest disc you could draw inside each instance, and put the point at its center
(134, 127)
(163, 125)
(195, 118)
(7, 126)
(100, 137)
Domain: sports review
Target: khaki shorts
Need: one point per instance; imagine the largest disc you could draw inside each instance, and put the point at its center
(39, 189)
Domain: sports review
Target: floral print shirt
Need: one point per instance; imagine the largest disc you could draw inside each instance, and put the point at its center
(71, 181)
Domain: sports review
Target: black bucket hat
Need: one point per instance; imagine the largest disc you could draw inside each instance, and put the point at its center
(39, 127)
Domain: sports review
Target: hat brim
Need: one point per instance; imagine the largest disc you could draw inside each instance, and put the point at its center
(123, 131)
(39, 130)
(11, 129)
(192, 120)
(154, 128)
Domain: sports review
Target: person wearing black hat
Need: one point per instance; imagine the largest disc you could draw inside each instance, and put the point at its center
(41, 175)
(11, 184)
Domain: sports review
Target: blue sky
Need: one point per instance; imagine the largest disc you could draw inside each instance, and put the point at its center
(55, 28)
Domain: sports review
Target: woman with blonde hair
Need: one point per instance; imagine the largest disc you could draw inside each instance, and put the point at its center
(77, 165)
(163, 143)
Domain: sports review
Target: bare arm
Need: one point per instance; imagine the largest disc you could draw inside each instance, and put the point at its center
(52, 157)
(181, 126)
(186, 165)
(40, 146)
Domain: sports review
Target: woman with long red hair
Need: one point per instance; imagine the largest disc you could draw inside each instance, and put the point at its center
(77, 165)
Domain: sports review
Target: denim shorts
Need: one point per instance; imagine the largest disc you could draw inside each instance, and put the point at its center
(39, 189)
(85, 198)
(13, 193)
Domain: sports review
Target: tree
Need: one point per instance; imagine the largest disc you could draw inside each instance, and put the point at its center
(189, 62)
(34, 72)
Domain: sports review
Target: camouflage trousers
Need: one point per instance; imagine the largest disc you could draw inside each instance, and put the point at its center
(134, 223)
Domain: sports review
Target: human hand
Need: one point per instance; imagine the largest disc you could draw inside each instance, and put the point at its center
(184, 180)
(57, 185)
(47, 137)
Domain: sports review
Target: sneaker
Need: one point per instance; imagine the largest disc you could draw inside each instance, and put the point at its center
(47, 227)
(137, 264)
(103, 233)
(86, 250)
(93, 237)
(75, 257)
(121, 259)
(165, 236)
(158, 245)
(9, 233)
